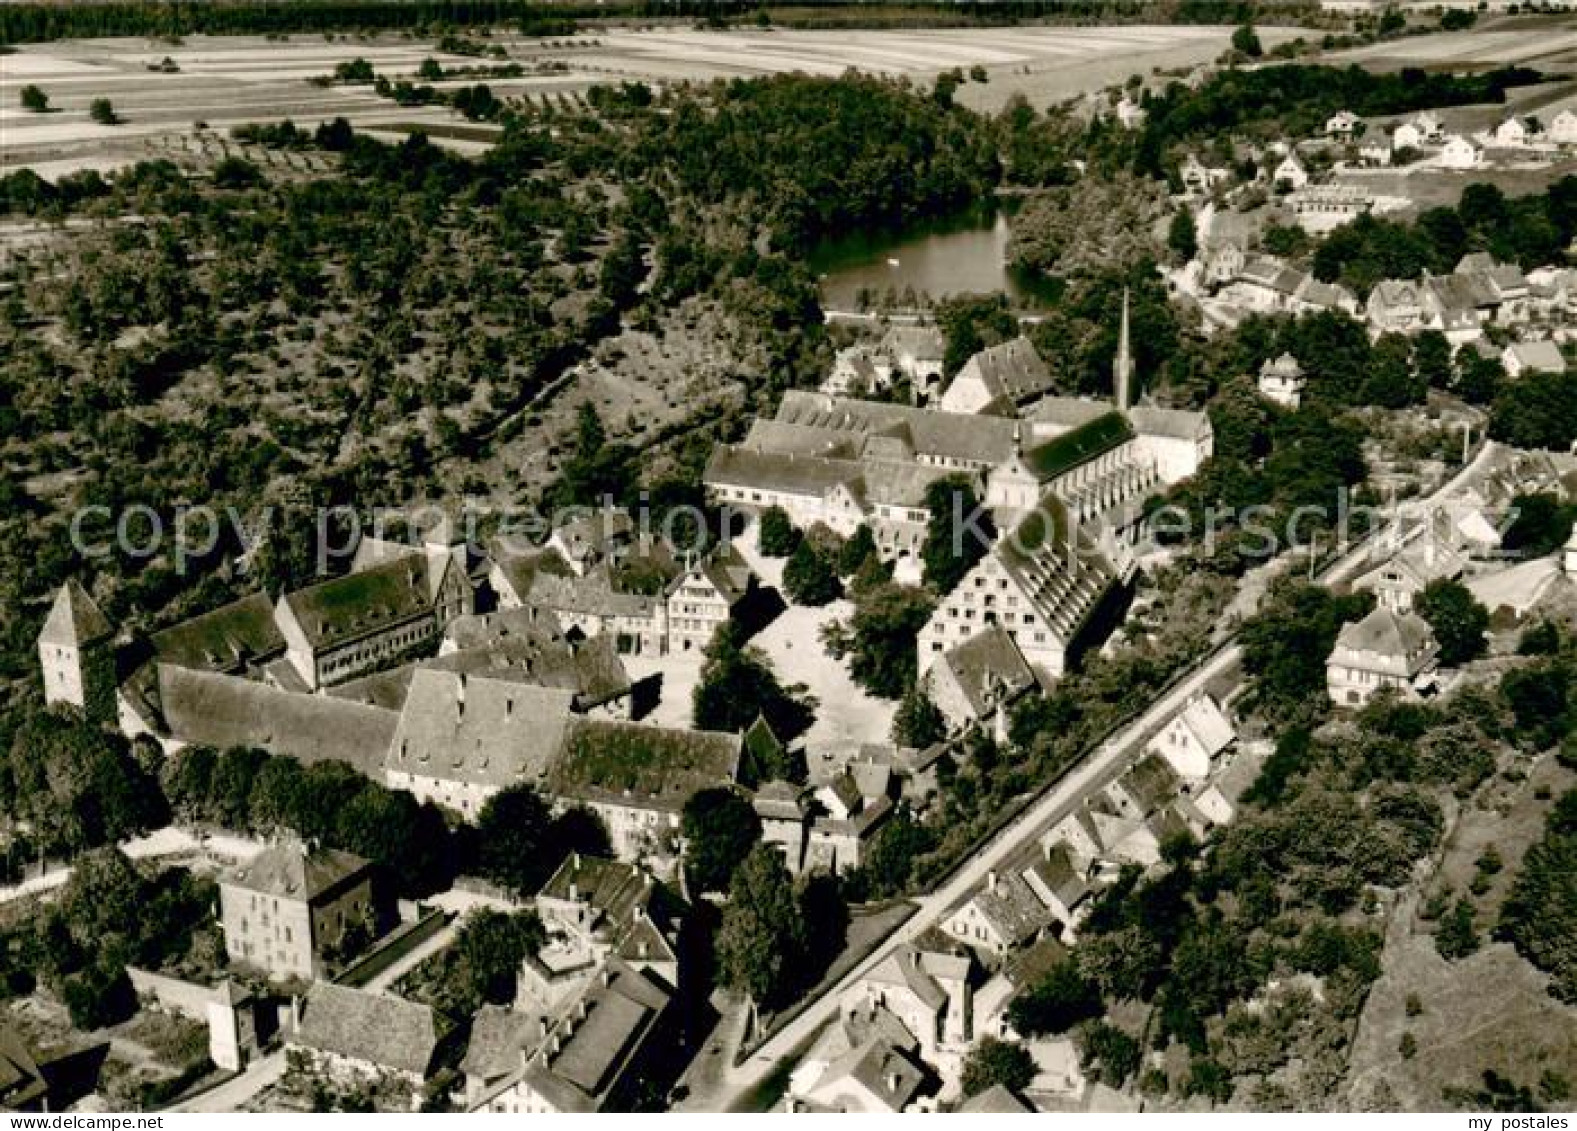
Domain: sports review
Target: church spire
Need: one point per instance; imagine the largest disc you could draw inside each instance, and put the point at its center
(1122, 367)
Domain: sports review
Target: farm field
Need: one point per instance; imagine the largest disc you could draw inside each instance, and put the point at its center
(1548, 43)
(226, 81)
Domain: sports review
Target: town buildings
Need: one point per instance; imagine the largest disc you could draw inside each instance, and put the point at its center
(353, 1037)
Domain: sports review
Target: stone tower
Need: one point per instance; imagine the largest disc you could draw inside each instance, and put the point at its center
(76, 649)
(1122, 366)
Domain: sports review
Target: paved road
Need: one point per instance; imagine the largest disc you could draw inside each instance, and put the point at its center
(238, 1090)
(1094, 772)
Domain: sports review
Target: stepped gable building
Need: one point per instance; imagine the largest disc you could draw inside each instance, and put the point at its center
(1048, 579)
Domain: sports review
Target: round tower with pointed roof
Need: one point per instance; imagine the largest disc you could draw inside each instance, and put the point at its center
(76, 650)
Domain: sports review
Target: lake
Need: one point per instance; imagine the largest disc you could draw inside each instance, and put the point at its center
(965, 254)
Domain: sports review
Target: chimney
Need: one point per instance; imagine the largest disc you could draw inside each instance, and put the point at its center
(893, 1081)
(991, 881)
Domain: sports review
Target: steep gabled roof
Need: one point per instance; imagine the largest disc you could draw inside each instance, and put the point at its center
(75, 619)
(356, 605)
(989, 669)
(378, 1029)
(1079, 446)
(1012, 371)
(479, 730)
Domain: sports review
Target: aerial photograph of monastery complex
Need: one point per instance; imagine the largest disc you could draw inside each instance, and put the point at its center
(843, 556)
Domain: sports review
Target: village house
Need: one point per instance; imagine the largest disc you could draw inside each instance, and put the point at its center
(591, 538)
(1149, 785)
(1395, 305)
(1268, 285)
(999, 378)
(851, 809)
(929, 989)
(1342, 125)
(706, 596)
(1002, 915)
(596, 1054)
(1431, 555)
(979, 679)
(1376, 151)
(1407, 136)
(1542, 356)
(1563, 128)
(860, 1064)
(291, 910)
(1194, 738)
(1513, 132)
(637, 778)
(1290, 173)
(857, 370)
(354, 1036)
(596, 909)
(1200, 179)
(1385, 649)
(1460, 154)
(1282, 381)
(593, 605)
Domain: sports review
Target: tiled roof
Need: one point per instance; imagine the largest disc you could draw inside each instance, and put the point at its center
(995, 1100)
(1392, 635)
(972, 439)
(596, 1041)
(222, 711)
(527, 645)
(376, 1029)
(592, 595)
(291, 871)
(1012, 908)
(1172, 423)
(1012, 370)
(1079, 446)
(479, 730)
(989, 669)
(500, 1037)
(1151, 783)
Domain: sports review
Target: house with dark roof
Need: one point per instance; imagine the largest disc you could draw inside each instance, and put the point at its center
(844, 822)
(461, 738)
(596, 1053)
(597, 605)
(1001, 915)
(23, 1086)
(1000, 377)
(352, 1036)
(637, 778)
(1149, 784)
(591, 538)
(928, 988)
(1384, 650)
(289, 910)
(785, 812)
(527, 644)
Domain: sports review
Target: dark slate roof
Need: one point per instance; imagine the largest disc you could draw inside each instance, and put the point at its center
(995, 1100)
(592, 595)
(75, 618)
(500, 1037)
(592, 1045)
(386, 1031)
(224, 711)
(1077, 447)
(526, 644)
(1152, 782)
(292, 871)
